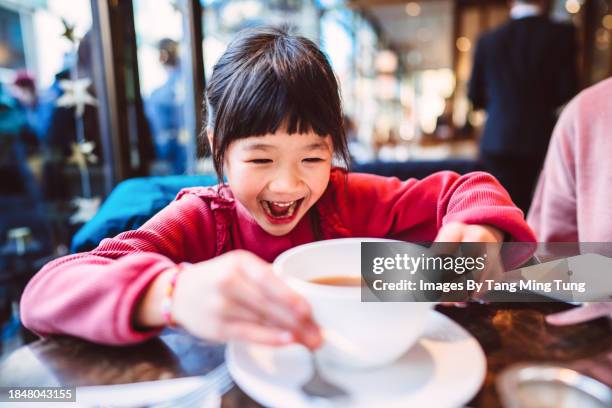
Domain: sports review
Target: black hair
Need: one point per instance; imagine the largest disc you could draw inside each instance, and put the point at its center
(269, 79)
(169, 51)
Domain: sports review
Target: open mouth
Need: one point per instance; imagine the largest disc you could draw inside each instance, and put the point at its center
(281, 211)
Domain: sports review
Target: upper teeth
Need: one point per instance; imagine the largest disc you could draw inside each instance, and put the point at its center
(282, 204)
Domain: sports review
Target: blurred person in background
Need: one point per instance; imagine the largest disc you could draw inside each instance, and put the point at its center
(26, 98)
(523, 72)
(15, 138)
(164, 110)
(358, 151)
(445, 128)
(47, 99)
(12, 121)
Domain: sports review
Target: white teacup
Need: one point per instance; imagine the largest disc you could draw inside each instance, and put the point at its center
(356, 334)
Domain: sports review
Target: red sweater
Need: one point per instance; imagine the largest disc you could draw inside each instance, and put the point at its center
(93, 295)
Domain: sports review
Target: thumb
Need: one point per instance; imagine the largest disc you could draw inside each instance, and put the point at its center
(448, 238)
(451, 232)
(580, 314)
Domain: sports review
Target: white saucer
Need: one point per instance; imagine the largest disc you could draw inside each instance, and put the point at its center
(445, 368)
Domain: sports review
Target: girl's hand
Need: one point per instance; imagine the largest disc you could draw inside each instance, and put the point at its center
(451, 234)
(460, 232)
(236, 296)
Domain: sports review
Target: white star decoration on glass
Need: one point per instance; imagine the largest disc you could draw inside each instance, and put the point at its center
(86, 208)
(75, 94)
(82, 153)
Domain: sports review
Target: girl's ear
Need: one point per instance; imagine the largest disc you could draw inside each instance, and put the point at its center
(209, 136)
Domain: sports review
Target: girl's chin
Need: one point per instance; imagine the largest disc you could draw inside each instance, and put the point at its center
(278, 229)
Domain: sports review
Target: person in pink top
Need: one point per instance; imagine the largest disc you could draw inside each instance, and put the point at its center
(274, 123)
(574, 192)
(573, 196)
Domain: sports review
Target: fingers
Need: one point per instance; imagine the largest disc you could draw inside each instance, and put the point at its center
(309, 335)
(451, 232)
(261, 275)
(482, 233)
(242, 294)
(448, 239)
(474, 241)
(459, 232)
(257, 333)
(230, 310)
(284, 301)
(306, 333)
(254, 287)
(248, 331)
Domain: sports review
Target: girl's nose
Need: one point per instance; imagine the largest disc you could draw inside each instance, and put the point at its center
(285, 182)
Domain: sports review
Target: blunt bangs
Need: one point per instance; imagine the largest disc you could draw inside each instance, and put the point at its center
(269, 80)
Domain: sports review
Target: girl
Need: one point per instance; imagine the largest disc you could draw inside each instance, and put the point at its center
(274, 122)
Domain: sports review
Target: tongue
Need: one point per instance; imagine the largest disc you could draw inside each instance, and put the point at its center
(277, 210)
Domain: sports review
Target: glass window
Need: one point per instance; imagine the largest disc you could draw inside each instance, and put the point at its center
(51, 147)
(163, 72)
(338, 43)
(52, 166)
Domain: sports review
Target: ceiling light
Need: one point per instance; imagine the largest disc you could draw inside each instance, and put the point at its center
(386, 61)
(413, 9)
(463, 44)
(572, 6)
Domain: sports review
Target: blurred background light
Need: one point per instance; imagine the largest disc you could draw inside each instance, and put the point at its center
(572, 6)
(413, 9)
(463, 44)
(386, 61)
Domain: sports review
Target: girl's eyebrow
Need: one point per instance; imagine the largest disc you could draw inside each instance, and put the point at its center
(258, 146)
(316, 146)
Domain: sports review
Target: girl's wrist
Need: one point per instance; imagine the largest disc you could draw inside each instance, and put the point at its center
(149, 310)
(167, 302)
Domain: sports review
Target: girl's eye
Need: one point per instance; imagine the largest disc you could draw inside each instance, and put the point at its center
(260, 161)
(313, 160)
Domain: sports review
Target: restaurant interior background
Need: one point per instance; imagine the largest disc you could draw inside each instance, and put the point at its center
(84, 86)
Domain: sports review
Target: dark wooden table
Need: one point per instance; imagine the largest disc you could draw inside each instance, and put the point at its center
(508, 333)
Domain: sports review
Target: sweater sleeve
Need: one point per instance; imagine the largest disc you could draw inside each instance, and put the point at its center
(414, 210)
(93, 295)
(553, 213)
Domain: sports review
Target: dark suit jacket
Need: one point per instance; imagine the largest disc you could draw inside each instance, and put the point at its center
(523, 71)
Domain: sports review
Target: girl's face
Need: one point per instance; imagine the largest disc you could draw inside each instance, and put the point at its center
(278, 177)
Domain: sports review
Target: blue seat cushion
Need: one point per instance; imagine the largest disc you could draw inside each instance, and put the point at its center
(131, 204)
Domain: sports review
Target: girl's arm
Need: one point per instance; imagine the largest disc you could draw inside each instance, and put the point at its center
(94, 295)
(415, 210)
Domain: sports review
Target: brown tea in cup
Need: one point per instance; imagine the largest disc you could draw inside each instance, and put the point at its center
(337, 280)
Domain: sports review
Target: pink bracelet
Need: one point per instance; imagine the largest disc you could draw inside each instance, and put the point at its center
(166, 305)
